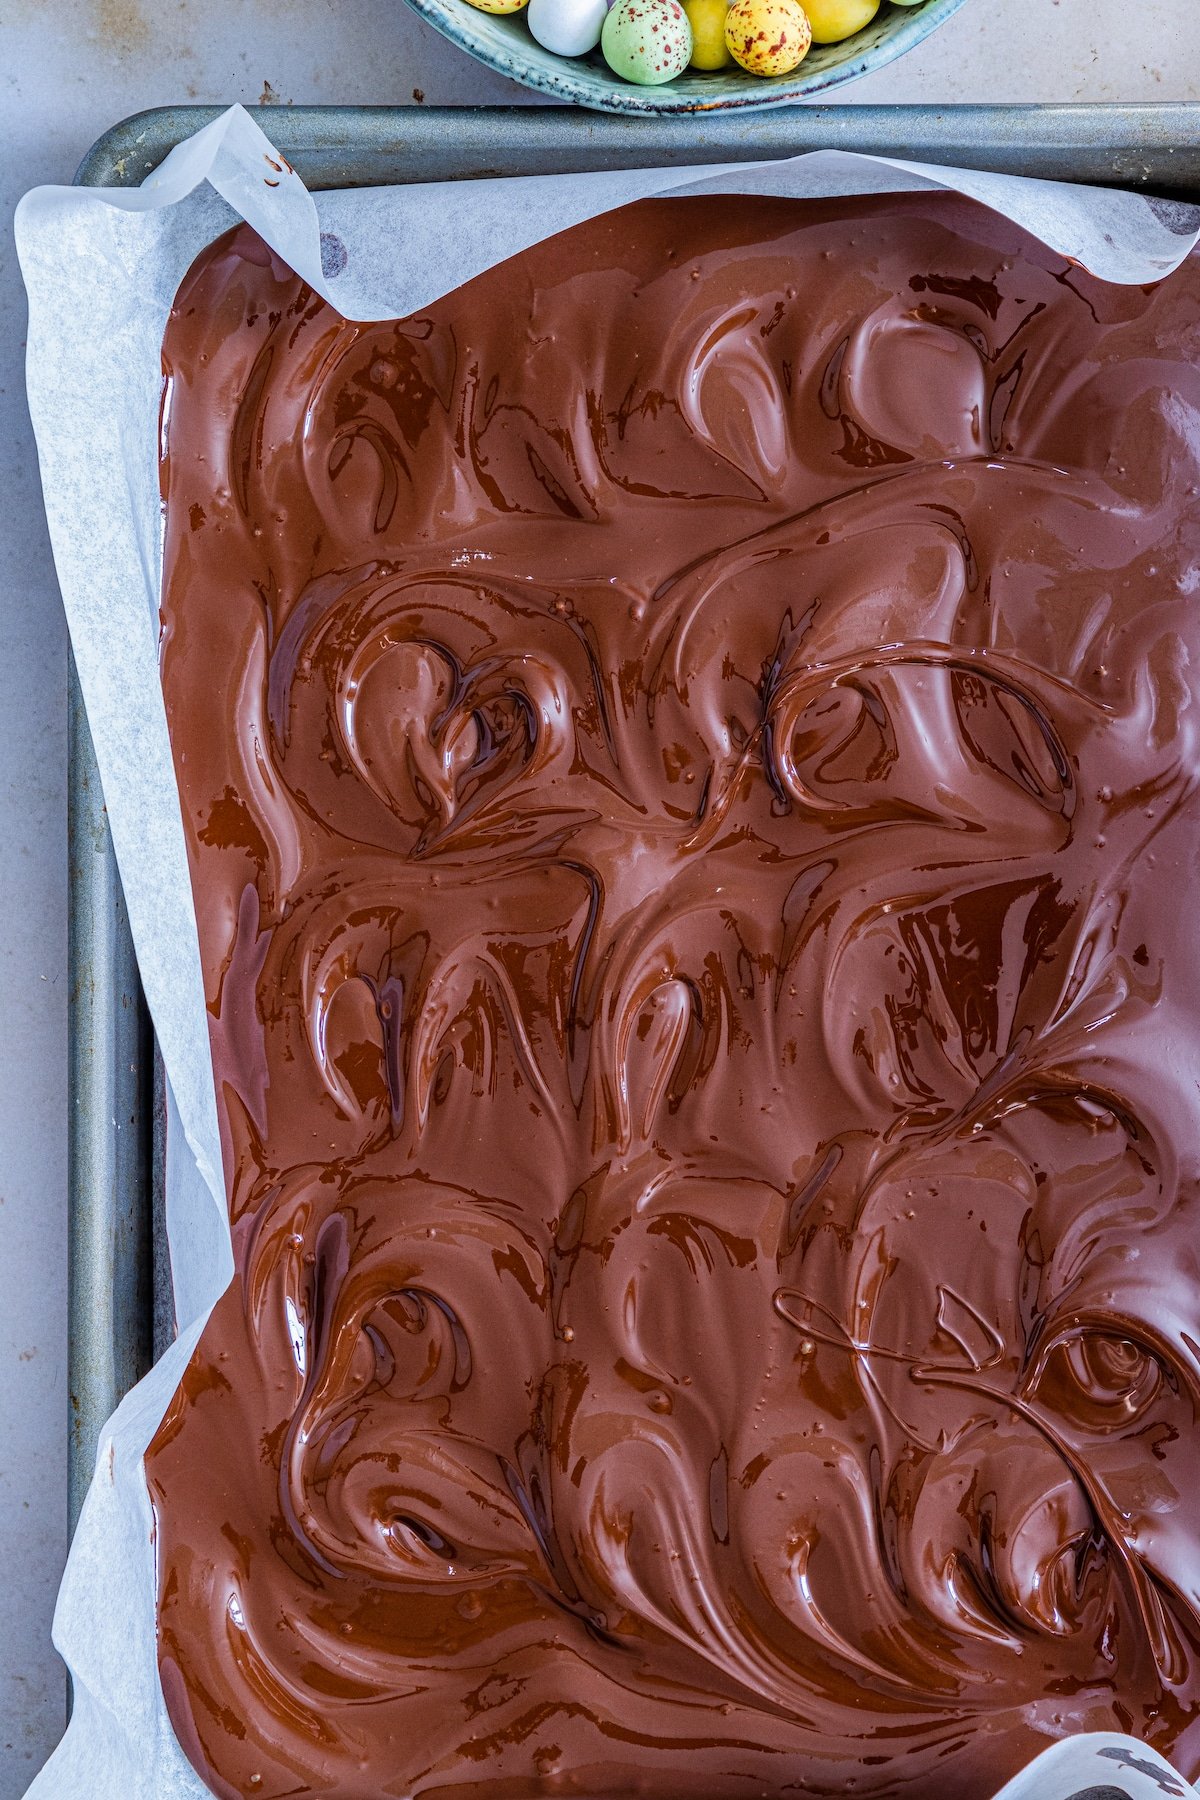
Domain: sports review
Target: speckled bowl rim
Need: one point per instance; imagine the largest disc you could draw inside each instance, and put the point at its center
(503, 43)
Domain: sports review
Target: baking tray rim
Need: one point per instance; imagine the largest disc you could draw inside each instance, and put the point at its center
(1152, 144)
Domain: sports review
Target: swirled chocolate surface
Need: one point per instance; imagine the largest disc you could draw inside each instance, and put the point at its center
(689, 754)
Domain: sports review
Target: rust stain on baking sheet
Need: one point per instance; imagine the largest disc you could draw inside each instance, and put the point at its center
(121, 23)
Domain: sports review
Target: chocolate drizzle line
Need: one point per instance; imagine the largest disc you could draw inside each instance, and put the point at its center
(689, 758)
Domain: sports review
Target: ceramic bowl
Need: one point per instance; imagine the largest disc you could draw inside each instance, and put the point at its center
(504, 43)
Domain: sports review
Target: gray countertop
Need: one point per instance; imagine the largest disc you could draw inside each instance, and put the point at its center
(68, 69)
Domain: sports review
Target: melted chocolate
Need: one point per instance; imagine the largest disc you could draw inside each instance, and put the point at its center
(689, 753)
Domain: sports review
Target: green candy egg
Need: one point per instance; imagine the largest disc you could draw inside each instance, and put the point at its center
(647, 41)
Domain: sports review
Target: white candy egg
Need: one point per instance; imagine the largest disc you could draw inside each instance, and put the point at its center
(568, 27)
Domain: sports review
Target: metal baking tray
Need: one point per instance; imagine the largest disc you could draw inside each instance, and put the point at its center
(119, 1287)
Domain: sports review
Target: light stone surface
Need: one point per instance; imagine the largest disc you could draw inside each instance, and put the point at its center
(69, 69)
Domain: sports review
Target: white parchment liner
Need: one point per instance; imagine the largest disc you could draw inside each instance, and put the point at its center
(102, 268)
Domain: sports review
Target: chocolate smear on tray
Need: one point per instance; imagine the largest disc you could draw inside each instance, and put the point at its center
(689, 756)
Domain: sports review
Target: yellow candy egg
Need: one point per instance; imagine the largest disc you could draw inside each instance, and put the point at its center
(833, 20)
(767, 37)
(499, 6)
(707, 20)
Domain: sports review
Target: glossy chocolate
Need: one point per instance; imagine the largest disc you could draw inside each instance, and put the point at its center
(689, 754)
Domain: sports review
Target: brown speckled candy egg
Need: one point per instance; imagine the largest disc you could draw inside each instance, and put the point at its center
(647, 41)
(768, 37)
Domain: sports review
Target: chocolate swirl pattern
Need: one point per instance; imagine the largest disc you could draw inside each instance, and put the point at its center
(690, 760)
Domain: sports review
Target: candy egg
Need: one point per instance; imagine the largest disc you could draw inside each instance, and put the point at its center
(833, 20)
(707, 20)
(768, 37)
(499, 6)
(647, 41)
(568, 27)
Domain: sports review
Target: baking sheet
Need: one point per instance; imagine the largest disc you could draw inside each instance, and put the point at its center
(102, 271)
(1149, 144)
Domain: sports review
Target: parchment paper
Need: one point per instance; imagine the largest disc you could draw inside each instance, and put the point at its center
(102, 268)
